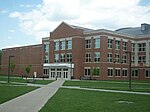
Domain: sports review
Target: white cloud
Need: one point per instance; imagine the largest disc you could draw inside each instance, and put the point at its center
(109, 14)
(3, 11)
(12, 31)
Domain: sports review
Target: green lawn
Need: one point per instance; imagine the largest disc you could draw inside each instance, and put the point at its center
(115, 85)
(21, 80)
(8, 91)
(73, 100)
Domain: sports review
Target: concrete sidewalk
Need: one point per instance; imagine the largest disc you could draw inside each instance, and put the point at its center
(32, 101)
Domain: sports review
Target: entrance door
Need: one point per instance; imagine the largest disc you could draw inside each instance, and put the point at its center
(58, 73)
(65, 73)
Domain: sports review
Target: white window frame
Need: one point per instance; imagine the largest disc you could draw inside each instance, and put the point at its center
(125, 70)
(69, 44)
(111, 73)
(69, 57)
(142, 47)
(118, 44)
(87, 57)
(88, 71)
(62, 45)
(133, 73)
(62, 57)
(97, 43)
(56, 58)
(148, 71)
(110, 43)
(124, 46)
(96, 56)
(124, 58)
(117, 58)
(88, 43)
(56, 45)
(110, 57)
(117, 72)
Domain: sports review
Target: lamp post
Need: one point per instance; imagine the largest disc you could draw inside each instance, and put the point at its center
(128, 52)
(9, 67)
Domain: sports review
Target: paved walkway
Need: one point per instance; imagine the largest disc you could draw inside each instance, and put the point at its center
(32, 101)
(105, 90)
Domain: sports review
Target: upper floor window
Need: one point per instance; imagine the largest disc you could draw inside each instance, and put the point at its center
(117, 44)
(124, 58)
(110, 43)
(142, 46)
(62, 45)
(46, 47)
(62, 57)
(109, 57)
(142, 58)
(56, 45)
(46, 60)
(56, 58)
(69, 57)
(132, 59)
(117, 58)
(97, 57)
(124, 46)
(69, 44)
(133, 47)
(97, 43)
(88, 57)
(88, 44)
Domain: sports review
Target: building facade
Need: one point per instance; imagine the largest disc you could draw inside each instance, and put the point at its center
(82, 53)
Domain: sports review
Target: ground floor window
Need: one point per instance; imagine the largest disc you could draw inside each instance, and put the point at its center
(135, 73)
(65, 73)
(59, 73)
(87, 71)
(110, 72)
(46, 71)
(117, 72)
(124, 72)
(147, 73)
(96, 71)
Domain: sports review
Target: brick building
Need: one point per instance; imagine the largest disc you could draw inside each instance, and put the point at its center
(77, 52)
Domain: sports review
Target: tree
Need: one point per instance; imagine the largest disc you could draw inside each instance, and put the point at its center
(0, 56)
(12, 67)
(28, 69)
(95, 71)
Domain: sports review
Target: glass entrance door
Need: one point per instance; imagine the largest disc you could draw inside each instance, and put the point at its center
(65, 73)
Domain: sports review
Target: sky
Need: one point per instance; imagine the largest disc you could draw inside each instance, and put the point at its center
(26, 22)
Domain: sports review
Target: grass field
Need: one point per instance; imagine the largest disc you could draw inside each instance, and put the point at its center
(143, 86)
(72, 100)
(21, 80)
(9, 91)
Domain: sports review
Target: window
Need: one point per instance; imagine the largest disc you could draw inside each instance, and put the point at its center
(97, 57)
(97, 43)
(125, 72)
(62, 57)
(88, 44)
(56, 58)
(124, 46)
(46, 47)
(147, 73)
(46, 71)
(117, 45)
(142, 46)
(110, 43)
(124, 58)
(62, 45)
(69, 57)
(110, 72)
(56, 46)
(132, 59)
(117, 71)
(87, 71)
(69, 44)
(133, 47)
(88, 57)
(46, 60)
(134, 73)
(141, 59)
(117, 58)
(109, 57)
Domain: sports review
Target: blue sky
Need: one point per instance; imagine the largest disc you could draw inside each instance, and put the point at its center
(25, 22)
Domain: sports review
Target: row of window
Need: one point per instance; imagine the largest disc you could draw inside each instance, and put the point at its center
(63, 57)
(117, 72)
(88, 43)
(110, 57)
(141, 47)
(62, 45)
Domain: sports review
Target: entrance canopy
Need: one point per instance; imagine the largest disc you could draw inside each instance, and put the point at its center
(59, 65)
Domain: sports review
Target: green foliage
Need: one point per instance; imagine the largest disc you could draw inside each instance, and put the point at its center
(28, 69)
(12, 66)
(95, 71)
